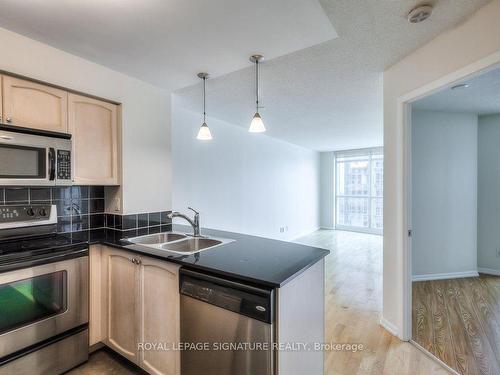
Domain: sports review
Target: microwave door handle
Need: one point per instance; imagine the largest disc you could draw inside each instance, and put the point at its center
(52, 164)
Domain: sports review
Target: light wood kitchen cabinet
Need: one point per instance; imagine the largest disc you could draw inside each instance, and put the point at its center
(121, 311)
(94, 126)
(141, 304)
(95, 292)
(33, 105)
(160, 309)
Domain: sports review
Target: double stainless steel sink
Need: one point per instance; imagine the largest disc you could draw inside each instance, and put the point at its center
(178, 242)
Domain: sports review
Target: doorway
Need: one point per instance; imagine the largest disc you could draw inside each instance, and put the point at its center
(454, 217)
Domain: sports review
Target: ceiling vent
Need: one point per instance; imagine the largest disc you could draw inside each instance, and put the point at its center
(420, 13)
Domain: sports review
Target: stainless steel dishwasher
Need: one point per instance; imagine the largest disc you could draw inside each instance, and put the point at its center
(226, 326)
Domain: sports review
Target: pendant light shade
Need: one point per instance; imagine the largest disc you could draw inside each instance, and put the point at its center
(257, 125)
(204, 133)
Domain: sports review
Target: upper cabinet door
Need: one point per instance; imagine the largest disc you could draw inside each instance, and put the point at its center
(33, 105)
(94, 126)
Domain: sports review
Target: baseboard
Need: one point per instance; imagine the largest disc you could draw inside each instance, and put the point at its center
(96, 347)
(389, 327)
(443, 276)
(488, 271)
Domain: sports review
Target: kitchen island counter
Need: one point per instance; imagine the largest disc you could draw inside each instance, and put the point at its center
(251, 259)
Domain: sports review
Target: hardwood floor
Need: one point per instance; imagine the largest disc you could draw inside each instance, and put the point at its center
(459, 321)
(353, 307)
(105, 362)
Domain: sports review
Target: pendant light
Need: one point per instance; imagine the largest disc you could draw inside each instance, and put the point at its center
(257, 125)
(204, 132)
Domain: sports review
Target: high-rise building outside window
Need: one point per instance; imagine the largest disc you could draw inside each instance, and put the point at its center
(359, 179)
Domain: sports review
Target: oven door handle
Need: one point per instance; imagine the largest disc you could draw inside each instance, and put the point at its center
(45, 260)
(73, 254)
(52, 164)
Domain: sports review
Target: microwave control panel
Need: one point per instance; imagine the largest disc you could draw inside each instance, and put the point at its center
(63, 165)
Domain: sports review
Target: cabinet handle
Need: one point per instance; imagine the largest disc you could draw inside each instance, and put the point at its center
(8, 119)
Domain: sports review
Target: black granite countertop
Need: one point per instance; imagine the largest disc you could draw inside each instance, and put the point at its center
(251, 259)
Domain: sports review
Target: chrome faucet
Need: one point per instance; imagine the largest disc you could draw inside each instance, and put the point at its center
(195, 222)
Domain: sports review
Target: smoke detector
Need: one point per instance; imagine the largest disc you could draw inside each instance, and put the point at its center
(460, 86)
(420, 13)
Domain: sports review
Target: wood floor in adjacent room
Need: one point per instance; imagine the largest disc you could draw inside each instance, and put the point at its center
(459, 321)
(353, 307)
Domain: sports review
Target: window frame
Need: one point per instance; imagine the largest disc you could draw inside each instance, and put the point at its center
(369, 154)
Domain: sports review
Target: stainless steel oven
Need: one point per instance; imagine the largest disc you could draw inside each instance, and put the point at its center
(44, 291)
(40, 302)
(31, 157)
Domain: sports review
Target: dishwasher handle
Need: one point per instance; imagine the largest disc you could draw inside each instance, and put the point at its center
(225, 282)
(254, 302)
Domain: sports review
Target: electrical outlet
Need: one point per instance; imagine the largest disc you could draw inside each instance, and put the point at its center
(117, 205)
(286, 228)
(282, 229)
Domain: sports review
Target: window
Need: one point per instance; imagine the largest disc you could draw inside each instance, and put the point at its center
(359, 190)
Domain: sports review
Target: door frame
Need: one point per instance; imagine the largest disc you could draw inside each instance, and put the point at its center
(404, 104)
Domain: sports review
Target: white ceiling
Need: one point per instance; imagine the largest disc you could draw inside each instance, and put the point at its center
(329, 96)
(482, 97)
(166, 42)
(321, 92)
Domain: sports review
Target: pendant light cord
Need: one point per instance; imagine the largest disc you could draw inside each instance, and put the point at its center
(257, 84)
(204, 100)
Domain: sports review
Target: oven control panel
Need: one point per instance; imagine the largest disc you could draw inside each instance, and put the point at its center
(63, 165)
(10, 214)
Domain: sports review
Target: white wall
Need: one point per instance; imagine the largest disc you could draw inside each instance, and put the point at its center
(471, 41)
(327, 189)
(444, 193)
(489, 193)
(145, 114)
(243, 182)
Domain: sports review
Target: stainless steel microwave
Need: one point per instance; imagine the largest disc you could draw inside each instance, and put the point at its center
(31, 157)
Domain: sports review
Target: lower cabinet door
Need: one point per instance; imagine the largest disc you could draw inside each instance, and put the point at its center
(160, 317)
(121, 303)
(95, 295)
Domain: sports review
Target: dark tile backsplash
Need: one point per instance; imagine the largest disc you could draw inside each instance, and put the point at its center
(16, 195)
(142, 220)
(154, 218)
(96, 206)
(96, 192)
(128, 222)
(81, 210)
(122, 226)
(40, 194)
